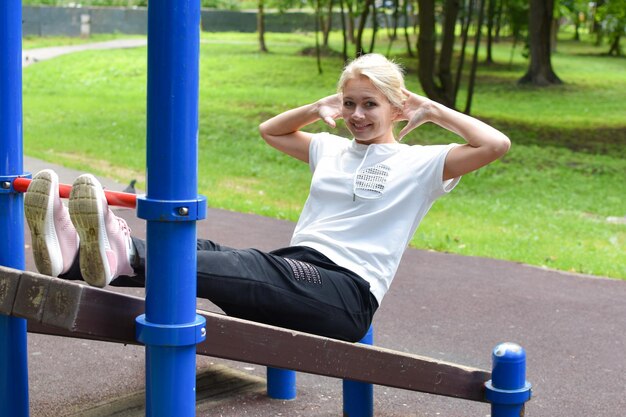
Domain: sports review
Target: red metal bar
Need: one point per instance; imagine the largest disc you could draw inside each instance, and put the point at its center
(114, 198)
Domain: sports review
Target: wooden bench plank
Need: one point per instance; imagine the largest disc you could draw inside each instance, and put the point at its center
(74, 309)
(31, 296)
(9, 281)
(236, 339)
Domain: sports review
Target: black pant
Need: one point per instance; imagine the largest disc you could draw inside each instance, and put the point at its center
(295, 287)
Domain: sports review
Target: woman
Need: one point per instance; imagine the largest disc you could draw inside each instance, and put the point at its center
(368, 195)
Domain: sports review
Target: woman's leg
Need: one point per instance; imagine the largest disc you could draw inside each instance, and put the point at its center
(294, 288)
(287, 292)
(138, 262)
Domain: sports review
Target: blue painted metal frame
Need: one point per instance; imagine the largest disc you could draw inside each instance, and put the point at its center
(281, 384)
(170, 210)
(13, 347)
(358, 397)
(170, 327)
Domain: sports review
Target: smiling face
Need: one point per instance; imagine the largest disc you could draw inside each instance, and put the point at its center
(367, 112)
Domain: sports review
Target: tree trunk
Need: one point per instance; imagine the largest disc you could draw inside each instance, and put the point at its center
(393, 28)
(596, 27)
(318, 16)
(395, 17)
(615, 48)
(344, 49)
(464, 37)
(499, 19)
(351, 18)
(470, 87)
(374, 27)
(427, 54)
(491, 11)
(260, 24)
(540, 70)
(327, 27)
(451, 11)
(407, 38)
(362, 21)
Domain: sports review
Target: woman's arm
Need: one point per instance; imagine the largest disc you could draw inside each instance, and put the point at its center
(484, 143)
(283, 131)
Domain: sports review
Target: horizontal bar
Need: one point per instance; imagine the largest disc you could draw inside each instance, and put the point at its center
(114, 198)
(77, 310)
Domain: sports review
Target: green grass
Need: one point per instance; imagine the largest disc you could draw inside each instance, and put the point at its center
(545, 203)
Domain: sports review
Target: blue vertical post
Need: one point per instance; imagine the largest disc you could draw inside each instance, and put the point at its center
(508, 391)
(13, 358)
(170, 328)
(281, 384)
(358, 397)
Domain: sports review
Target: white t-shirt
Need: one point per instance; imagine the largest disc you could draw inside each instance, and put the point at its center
(364, 222)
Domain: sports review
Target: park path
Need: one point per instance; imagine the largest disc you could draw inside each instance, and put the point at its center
(446, 306)
(31, 56)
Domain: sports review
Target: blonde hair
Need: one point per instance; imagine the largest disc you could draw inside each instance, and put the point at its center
(386, 75)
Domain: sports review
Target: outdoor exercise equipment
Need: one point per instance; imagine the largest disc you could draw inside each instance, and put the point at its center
(167, 322)
(73, 309)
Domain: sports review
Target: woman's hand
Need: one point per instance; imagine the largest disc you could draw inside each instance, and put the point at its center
(416, 110)
(329, 109)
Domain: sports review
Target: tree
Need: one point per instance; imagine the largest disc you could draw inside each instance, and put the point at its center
(575, 10)
(326, 22)
(281, 5)
(350, 19)
(470, 88)
(405, 16)
(442, 88)
(612, 15)
(362, 21)
(540, 70)
(344, 49)
(318, 18)
(491, 17)
(596, 23)
(260, 26)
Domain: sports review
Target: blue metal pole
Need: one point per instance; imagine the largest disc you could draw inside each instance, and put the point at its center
(170, 327)
(13, 348)
(281, 384)
(508, 391)
(358, 397)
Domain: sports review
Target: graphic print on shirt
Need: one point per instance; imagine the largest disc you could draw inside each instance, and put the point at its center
(370, 182)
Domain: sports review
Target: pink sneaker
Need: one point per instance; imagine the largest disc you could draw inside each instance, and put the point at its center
(105, 244)
(54, 238)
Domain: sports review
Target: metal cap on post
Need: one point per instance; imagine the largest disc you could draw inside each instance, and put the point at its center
(508, 391)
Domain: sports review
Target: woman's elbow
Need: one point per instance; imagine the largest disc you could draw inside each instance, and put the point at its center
(501, 145)
(263, 130)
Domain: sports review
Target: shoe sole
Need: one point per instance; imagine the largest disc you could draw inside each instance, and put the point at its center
(38, 210)
(87, 214)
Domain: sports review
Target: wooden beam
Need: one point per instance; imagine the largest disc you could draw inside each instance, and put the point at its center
(67, 308)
